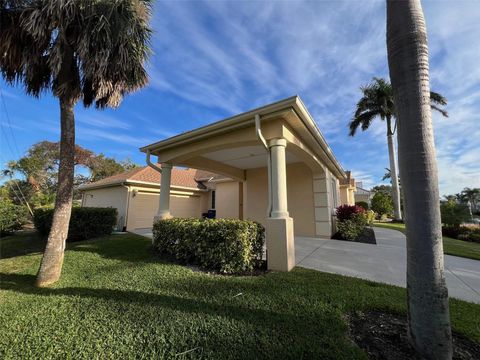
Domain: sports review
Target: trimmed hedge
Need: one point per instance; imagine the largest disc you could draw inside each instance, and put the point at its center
(85, 222)
(225, 245)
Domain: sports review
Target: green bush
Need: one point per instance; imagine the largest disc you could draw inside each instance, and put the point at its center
(352, 228)
(454, 214)
(85, 222)
(225, 245)
(362, 204)
(382, 204)
(12, 217)
(369, 216)
(465, 233)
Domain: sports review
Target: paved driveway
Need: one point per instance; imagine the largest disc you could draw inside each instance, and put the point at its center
(384, 262)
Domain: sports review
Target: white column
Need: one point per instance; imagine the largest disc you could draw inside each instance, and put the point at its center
(279, 226)
(164, 205)
(279, 178)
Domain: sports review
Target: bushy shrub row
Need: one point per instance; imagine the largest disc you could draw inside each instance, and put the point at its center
(85, 222)
(465, 233)
(12, 217)
(225, 245)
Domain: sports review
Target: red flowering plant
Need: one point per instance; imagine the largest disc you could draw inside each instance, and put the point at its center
(347, 212)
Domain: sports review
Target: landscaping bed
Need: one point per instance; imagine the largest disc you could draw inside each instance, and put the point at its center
(367, 237)
(383, 335)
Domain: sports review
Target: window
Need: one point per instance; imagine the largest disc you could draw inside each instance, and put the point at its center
(213, 199)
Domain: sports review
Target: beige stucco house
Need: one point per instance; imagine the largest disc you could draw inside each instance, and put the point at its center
(271, 164)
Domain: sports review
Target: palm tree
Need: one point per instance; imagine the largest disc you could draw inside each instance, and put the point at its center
(473, 196)
(377, 101)
(85, 49)
(427, 295)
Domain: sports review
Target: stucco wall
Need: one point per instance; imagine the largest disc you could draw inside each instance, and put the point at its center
(227, 200)
(108, 197)
(299, 197)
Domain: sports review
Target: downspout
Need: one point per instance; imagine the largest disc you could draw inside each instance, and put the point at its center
(269, 162)
(127, 208)
(152, 165)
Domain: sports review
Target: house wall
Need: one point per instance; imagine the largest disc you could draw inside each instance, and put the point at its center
(115, 196)
(299, 197)
(227, 200)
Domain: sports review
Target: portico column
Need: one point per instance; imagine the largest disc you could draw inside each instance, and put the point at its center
(164, 205)
(279, 178)
(279, 226)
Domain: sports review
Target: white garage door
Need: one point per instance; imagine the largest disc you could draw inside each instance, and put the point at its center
(144, 206)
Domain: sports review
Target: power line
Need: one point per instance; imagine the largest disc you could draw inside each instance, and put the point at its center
(9, 123)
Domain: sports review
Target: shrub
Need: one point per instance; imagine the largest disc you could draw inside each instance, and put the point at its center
(346, 212)
(362, 204)
(12, 217)
(225, 245)
(85, 222)
(351, 229)
(454, 214)
(382, 203)
(369, 216)
(465, 233)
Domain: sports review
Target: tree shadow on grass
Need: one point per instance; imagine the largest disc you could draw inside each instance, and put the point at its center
(263, 332)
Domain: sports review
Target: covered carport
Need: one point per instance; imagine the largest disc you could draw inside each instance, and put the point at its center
(279, 157)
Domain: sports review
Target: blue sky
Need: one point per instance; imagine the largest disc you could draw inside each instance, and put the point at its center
(215, 59)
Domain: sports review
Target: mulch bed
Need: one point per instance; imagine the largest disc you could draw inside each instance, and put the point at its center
(367, 237)
(384, 336)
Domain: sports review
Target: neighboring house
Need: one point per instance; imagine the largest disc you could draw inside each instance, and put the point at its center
(348, 189)
(135, 195)
(274, 167)
(362, 194)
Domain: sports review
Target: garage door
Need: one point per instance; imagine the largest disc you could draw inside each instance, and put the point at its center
(144, 206)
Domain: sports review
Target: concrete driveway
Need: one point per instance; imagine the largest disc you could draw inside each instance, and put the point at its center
(384, 262)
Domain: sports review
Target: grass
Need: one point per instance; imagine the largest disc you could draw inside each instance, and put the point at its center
(117, 300)
(451, 246)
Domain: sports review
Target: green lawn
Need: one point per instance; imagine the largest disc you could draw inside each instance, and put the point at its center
(117, 300)
(451, 246)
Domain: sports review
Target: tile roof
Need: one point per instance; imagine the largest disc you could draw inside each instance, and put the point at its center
(184, 177)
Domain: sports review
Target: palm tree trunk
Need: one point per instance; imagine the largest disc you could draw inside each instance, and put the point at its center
(397, 212)
(427, 295)
(52, 261)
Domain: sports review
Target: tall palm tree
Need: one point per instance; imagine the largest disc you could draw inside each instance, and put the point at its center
(377, 101)
(427, 295)
(473, 196)
(90, 50)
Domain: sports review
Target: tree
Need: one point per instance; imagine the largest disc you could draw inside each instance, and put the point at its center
(85, 49)
(427, 295)
(454, 214)
(377, 101)
(103, 167)
(382, 203)
(472, 196)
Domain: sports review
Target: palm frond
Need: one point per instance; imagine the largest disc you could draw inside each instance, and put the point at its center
(363, 120)
(440, 110)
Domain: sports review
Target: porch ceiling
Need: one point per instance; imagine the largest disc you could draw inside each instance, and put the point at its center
(246, 157)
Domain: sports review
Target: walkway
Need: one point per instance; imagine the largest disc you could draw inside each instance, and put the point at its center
(384, 262)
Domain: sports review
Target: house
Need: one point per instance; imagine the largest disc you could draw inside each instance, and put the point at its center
(271, 164)
(362, 194)
(135, 195)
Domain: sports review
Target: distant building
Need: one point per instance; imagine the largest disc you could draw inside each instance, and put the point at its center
(362, 194)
